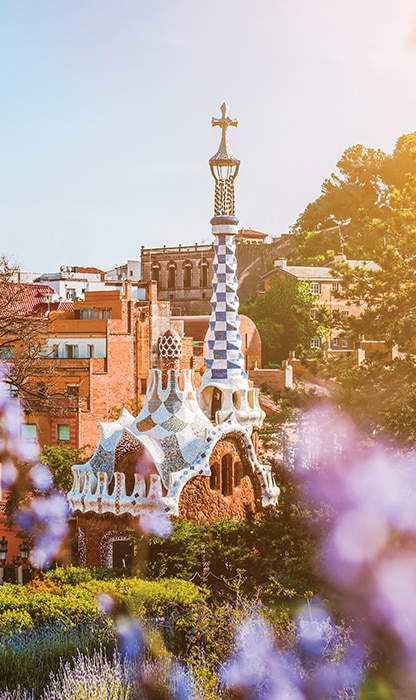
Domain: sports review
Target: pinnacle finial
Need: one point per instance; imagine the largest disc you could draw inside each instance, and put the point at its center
(224, 155)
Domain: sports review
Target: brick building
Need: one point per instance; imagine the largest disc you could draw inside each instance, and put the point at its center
(325, 284)
(99, 354)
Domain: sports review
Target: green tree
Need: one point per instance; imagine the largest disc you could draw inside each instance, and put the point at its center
(60, 459)
(283, 318)
(352, 197)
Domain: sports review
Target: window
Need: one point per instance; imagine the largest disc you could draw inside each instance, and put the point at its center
(334, 287)
(28, 432)
(344, 342)
(316, 342)
(227, 475)
(143, 386)
(335, 342)
(70, 293)
(315, 288)
(94, 313)
(55, 350)
(187, 275)
(238, 474)
(345, 314)
(72, 389)
(71, 351)
(156, 273)
(171, 276)
(313, 314)
(90, 351)
(62, 432)
(203, 280)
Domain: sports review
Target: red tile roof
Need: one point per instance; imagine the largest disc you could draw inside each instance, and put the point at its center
(29, 299)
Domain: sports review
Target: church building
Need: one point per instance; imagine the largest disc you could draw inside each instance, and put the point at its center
(190, 452)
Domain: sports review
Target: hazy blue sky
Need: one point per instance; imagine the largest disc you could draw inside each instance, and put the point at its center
(106, 106)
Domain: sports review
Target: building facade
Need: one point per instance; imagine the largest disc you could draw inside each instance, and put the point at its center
(325, 285)
(184, 273)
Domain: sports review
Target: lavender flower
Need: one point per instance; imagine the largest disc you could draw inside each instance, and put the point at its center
(368, 552)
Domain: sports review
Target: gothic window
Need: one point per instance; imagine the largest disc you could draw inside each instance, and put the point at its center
(187, 275)
(156, 273)
(214, 479)
(227, 475)
(171, 276)
(203, 275)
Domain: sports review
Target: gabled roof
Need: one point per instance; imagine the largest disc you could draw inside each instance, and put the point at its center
(27, 299)
(319, 274)
(300, 272)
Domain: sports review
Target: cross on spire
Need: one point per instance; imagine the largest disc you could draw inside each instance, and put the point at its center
(224, 155)
(225, 120)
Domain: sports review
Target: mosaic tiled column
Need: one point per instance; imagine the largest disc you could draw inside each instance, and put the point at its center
(224, 359)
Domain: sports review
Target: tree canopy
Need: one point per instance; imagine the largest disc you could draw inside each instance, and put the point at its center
(359, 191)
(283, 318)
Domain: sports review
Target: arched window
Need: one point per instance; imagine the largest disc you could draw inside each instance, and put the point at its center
(227, 475)
(215, 478)
(203, 275)
(156, 273)
(238, 474)
(171, 276)
(187, 275)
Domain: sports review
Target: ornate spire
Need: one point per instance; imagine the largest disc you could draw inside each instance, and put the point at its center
(224, 167)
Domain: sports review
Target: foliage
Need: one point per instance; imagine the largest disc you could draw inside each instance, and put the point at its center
(283, 318)
(379, 395)
(60, 459)
(272, 552)
(46, 622)
(358, 193)
(134, 407)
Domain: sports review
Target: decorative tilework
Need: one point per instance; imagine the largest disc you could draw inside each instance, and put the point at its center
(102, 461)
(146, 424)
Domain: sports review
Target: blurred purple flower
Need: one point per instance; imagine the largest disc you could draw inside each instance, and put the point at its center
(130, 637)
(155, 522)
(41, 477)
(8, 475)
(257, 670)
(369, 549)
(105, 603)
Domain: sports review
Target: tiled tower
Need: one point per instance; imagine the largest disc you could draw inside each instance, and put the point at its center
(225, 390)
(187, 453)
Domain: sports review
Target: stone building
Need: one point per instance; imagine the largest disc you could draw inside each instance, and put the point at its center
(184, 273)
(190, 452)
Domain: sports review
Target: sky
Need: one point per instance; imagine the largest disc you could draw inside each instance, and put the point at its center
(106, 107)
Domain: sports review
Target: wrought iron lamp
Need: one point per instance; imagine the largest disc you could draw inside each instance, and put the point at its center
(24, 551)
(3, 550)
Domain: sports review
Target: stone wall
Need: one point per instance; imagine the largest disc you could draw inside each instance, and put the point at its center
(95, 534)
(201, 502)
